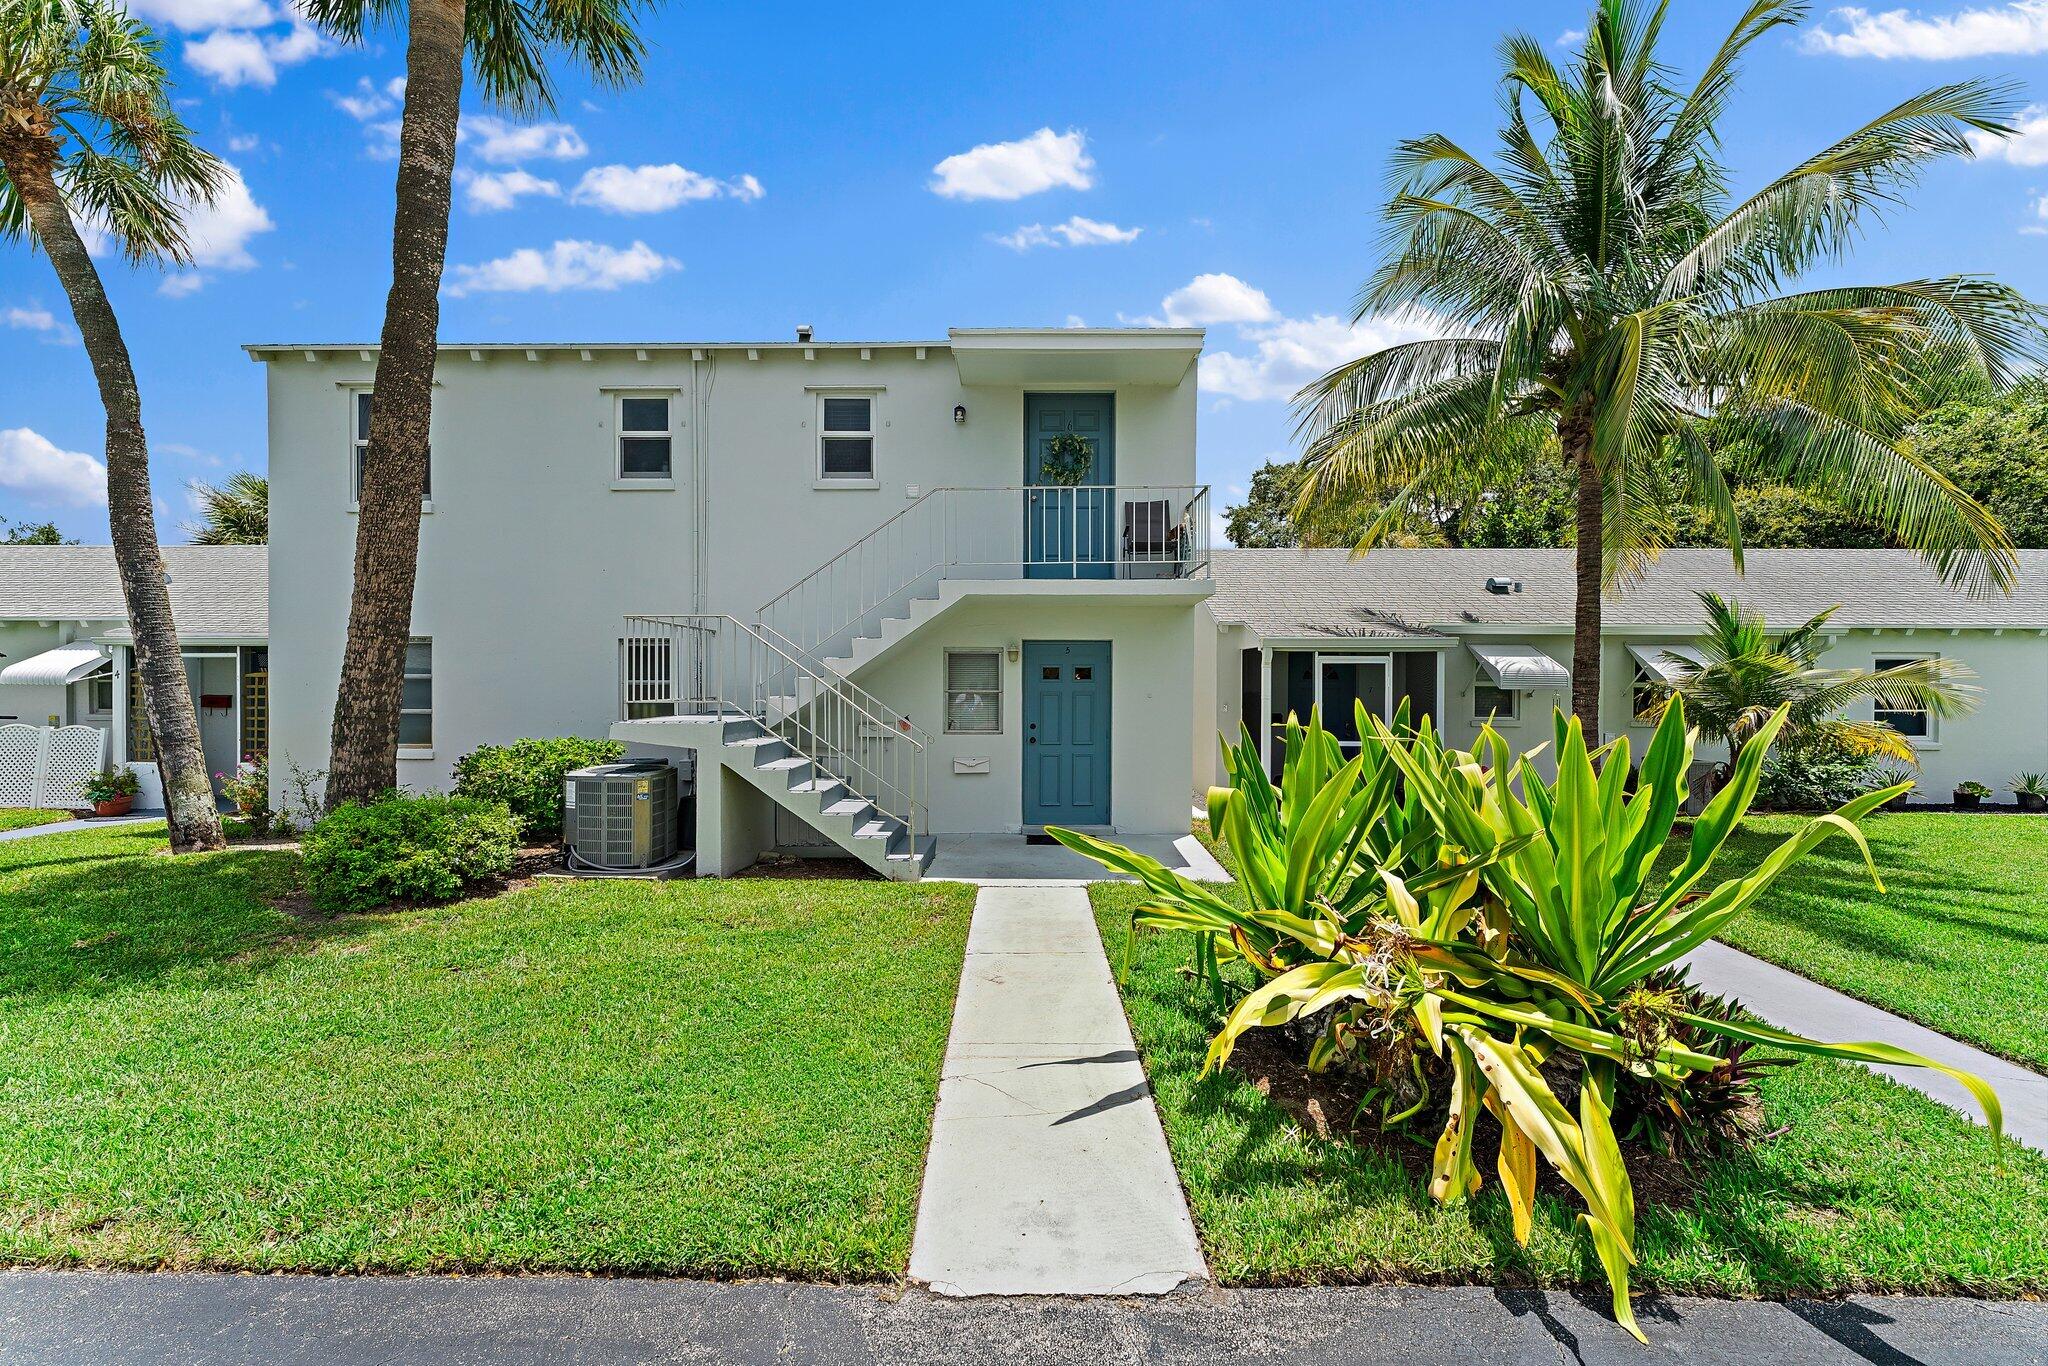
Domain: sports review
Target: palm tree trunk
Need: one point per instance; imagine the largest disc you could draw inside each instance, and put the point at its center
(363, 760)
(1575, 435)
(30, 159)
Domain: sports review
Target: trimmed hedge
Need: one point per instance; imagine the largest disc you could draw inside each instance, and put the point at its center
(526, 776)
(407, 848)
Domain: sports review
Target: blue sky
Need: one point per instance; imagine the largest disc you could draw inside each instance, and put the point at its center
(923, 167)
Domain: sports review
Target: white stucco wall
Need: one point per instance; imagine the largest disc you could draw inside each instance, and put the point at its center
(1152, 696)
(531, 557)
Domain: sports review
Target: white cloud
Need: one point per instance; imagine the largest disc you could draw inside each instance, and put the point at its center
(243, 143)
(500, 141)
(1571, 37)
(194, 16)
(1290, 352)
(367, 101)
(1011, 170)
(565, 265)
(1076, 320)
(181, 284)
(656, 189)
(1075, 232)
(496, 190)
(2018, 29)
(235, 57)
(36, 318)
(35, 468)
(2039, 227)
(2028, 146)
(218, 233)
(1216, 298)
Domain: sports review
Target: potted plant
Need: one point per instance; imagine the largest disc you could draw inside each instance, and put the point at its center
(112, 793)
(1970, 795)
(2030, 790)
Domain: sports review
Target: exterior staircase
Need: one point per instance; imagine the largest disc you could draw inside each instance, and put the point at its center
(745, 699)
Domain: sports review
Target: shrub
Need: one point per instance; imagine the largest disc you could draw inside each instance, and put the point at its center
(1413, 901)
(1816, 777)
(526, 776)
(407, 848)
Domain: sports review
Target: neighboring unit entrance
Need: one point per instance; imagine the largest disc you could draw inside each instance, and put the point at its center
(1069, 532)
(1066, 732)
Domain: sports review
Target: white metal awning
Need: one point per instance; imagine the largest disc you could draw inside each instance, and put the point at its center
(1657, 661)
(54, 668)
(1519, 668)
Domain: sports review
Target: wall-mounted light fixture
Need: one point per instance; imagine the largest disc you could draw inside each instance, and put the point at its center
(959, 415)
(1014, 650)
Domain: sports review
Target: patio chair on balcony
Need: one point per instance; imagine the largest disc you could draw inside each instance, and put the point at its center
(1155, 542)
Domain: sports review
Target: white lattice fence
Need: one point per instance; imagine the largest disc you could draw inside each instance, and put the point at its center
(49, 765)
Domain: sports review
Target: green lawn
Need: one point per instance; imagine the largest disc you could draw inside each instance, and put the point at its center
(1873, 1187)
(1958, 941)
(710, 1078)
(22, 817)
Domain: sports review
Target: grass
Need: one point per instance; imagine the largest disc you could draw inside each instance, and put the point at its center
(1872, 1186)
(1957, 941)
(704, 1078)
(22, 817)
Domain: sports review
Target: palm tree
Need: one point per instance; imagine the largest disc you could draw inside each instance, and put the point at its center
(508, 40)
(234, 513)
(86, 126)
(1748, 674)
(1602, 285)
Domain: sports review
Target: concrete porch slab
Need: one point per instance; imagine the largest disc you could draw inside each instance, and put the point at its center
(996, 859)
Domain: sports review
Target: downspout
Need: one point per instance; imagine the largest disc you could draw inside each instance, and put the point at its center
(702, 375)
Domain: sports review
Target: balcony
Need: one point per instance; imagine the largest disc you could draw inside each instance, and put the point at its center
(1122, 540)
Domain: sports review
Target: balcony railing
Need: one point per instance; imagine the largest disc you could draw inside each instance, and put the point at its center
(1113, 533)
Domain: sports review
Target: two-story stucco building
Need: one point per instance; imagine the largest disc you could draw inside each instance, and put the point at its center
(873, 591)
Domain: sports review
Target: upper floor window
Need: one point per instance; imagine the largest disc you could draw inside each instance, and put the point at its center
(646, 438)
(416, 699)
(1903, 715)
(846, 436)
(359, 453)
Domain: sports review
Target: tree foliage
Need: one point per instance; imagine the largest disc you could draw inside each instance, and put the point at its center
(236, 512)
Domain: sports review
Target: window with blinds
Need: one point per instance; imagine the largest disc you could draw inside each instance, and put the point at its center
(416, 700)
(846, 436)
(974, 692)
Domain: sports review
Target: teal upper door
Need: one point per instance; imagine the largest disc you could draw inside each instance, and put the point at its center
(1067, 530)
(1066, 732)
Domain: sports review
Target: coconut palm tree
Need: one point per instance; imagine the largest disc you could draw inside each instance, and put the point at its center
(1600, 282)
(87, 128)
(233, 513)
(1748, 674)
(509, 42)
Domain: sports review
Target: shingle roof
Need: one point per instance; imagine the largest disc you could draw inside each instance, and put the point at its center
(216, 590)
(1396, 593)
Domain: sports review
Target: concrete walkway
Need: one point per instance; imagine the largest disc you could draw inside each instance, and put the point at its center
(998, 860)
(66, 827)
(1048, 1172)
(1790, 1001)
(117, 1319)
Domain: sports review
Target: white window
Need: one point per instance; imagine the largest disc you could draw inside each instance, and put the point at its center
(99, 693)
(1901, 714)
(974, 692)
(1502, 704)
(846, 437)
(416, 701)
(646, 438)
(359, 451)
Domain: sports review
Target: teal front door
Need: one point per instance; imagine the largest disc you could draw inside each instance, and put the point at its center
(1067, 529)
(1066, 732)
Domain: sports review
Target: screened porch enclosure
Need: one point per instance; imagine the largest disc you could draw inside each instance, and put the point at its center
(1331, 682)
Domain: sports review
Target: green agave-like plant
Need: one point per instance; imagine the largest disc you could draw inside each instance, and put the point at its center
(1495, 917)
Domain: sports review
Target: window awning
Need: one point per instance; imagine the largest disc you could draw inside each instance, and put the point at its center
(54, 668)
(1657, 661)
(1519, 668)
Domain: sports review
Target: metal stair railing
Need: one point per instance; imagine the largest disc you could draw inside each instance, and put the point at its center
(1089, 531)
(713, 664)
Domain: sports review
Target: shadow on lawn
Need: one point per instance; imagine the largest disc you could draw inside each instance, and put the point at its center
(90, 923)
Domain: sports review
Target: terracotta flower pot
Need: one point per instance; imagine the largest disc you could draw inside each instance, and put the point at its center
(113, 806)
